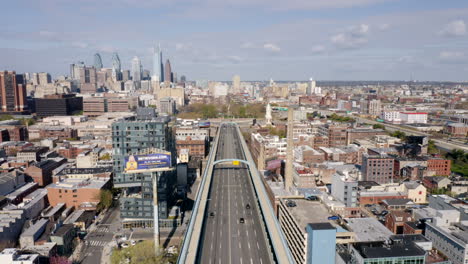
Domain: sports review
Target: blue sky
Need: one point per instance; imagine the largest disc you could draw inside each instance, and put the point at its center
(257, 39)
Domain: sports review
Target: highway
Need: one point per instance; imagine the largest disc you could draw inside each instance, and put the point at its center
(224, 238)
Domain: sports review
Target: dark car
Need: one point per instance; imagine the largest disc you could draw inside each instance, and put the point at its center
(368, 205)
(384, 213)
(241, 220)
(291, 204)
(212, 214)
(247, 206)
(312, 198)
(333, 217)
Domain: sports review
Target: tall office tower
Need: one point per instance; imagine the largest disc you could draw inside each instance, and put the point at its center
(161, 67)
(174, 77)
(125, 75)
(44, 78)
(157, 64)
(131, 136)
(12, 92)
(268, 116)
(236, 84)
(116, 67)
(310, 87)
(75, 70)
(183, 78)
(88, 80)
(145, 75)
(168, 72)
(136, 69)
(97, 62)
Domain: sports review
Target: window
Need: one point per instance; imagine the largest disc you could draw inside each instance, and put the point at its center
(74, 196)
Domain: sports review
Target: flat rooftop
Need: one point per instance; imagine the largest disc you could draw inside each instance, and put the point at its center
(380, 250)
(91, 183)
(368, 229)
(308, 212)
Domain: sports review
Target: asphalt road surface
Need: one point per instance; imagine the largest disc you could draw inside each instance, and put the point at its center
(225, 239)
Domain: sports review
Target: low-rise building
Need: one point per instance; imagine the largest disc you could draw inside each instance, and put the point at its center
(31, 154)
(77, 193)
(12, 256)
(456, 129)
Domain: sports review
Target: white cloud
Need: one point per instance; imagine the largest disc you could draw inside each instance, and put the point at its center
(406, 59)
(451, 55)
(80, 45)
(247, 45)
(455, 28)
(318, 49)
(354, 37)
(271, 47)
(183, 46)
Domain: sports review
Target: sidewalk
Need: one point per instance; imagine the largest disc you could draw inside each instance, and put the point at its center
(107, 252)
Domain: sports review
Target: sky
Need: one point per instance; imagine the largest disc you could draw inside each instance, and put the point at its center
(256, 39)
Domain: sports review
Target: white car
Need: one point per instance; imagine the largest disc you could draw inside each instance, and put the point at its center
(132, 242)
(124, 245)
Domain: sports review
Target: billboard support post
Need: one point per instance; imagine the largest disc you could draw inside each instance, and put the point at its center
(155, 212)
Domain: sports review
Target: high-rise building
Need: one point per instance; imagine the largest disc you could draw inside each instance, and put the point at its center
(378, 168)
(136, 69)
(236, 84)
(157, 65)
(116, 67)
(311, 87)
(97, 62)
(183, 78)
(87, 79)
(161, 66)
(321, 243)
(130, 136)
(75, 70)
(58, 105)
(44, 78)
(125, 75)
(12, 92)
(168, 72)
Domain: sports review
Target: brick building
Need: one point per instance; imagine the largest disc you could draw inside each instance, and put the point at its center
(12, 92)
(439, 166)
(362, 133)
(78, 193)
(61, 133)
(195, 144)
(395, 221)
(457, 129)
(41, 172)
(30, 153)
(337, 134)
(378, 168)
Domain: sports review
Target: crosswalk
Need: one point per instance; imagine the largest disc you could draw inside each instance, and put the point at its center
(97, 243)
(103, 229)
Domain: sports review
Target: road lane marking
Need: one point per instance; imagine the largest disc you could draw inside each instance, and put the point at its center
(248, 244)
(258, 246)
(251, 261)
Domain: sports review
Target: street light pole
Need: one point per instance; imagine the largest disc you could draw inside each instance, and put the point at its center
(155, 212)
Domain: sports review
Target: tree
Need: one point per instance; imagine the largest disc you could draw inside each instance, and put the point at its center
(459, 160)
(431, 147)
(378, 126)
(105, 199)
(106, 156)
(399, 134)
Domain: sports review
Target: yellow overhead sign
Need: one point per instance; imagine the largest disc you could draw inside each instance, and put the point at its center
(235, 162)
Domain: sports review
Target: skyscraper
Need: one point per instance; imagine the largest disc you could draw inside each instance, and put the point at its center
(168, 72)
(236, 84)
(97, 62)
(161, 67)
(136, 69)
(116, 68)
(12, 92)
(75, 70)
(157, 69)
(116, 62)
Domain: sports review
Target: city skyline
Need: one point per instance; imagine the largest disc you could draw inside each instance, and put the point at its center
(332, 40)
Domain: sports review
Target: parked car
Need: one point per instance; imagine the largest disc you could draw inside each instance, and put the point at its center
(384, 213)
(333, 217)
(132, 242)
(290, 203)
(124, 245)
(312, 198)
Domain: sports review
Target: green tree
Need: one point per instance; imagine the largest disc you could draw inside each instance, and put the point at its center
(431, 147)
(398, 134)
(106, 156)
(459, 160)
(105, 199)
(378, 126)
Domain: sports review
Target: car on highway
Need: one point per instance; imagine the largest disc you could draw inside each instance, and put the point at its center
(247, 206)
(241, 220)
(212, 214)
(333, 217)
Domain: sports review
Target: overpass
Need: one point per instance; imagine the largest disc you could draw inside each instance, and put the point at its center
(233, 220)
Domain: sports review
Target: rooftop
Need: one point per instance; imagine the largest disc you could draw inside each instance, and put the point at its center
(383, 250)
(309, 212)
(90, 183)
(368, 229)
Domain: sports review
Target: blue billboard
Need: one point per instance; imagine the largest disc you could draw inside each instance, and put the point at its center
(147, 162)
(204, 124)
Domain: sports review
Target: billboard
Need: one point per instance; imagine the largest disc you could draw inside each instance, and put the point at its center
(135, 163)
(203, 124)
